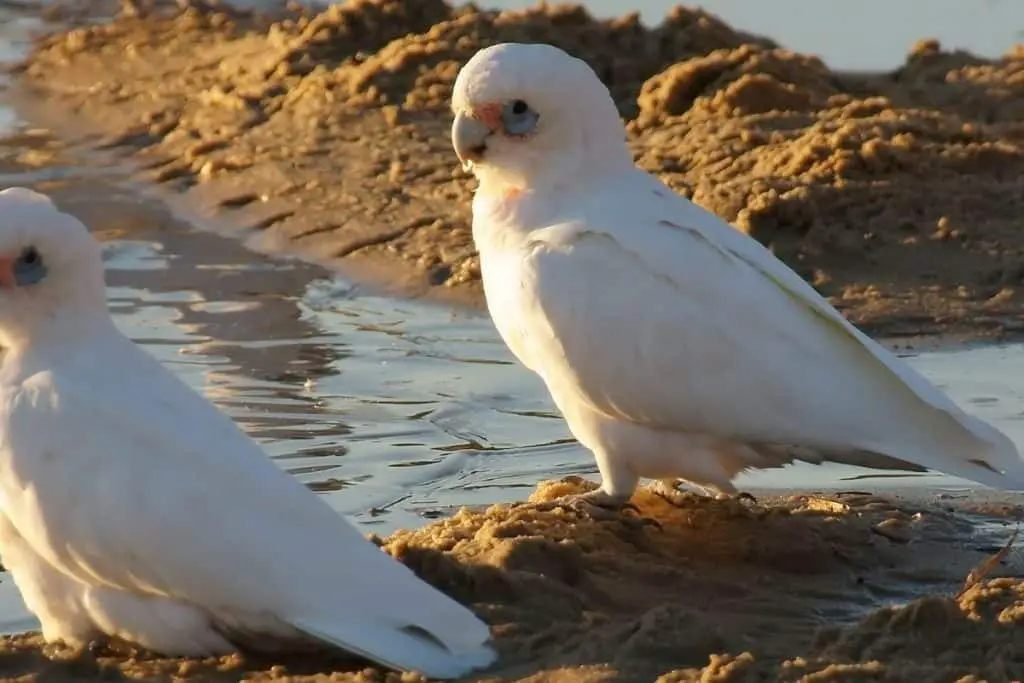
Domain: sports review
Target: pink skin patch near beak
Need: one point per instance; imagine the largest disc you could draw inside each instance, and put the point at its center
(7, 279)
(489, 113)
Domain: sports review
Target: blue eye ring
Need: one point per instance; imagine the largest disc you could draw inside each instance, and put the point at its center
(29, 256)
(29, 268)
(518, 119)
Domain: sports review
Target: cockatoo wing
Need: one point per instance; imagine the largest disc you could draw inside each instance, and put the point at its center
(651, 309)
(120, 475)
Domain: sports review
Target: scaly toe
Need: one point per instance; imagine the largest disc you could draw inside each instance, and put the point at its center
(601, 513)
(100, 646)
(674, 497)
(739, 495)
(631, 506)
(584, 505)
(639, 522)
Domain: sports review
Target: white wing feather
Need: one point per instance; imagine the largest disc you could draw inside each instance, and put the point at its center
(657, 311)
(131, 480)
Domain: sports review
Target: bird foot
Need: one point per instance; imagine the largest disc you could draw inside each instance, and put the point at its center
(737, 495)
(99, 646)
(60, 649)
(597, 506)
(684, 499)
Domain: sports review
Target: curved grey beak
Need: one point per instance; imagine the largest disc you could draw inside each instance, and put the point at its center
(469, 138)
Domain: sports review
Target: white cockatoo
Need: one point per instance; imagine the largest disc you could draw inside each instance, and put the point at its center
(131, 507)
(676, 347)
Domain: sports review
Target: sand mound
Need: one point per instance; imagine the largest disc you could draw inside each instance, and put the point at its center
(731, 82)
(838, 183)
(987, 91)
(418, 71)
(727, 591)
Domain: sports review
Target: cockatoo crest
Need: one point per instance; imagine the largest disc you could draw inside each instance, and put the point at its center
(530, 116)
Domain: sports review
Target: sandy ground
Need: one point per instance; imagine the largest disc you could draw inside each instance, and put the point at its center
(327, 135)
(726, 591)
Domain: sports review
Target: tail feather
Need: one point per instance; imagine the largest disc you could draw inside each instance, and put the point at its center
(960, 445)
(999, 456)
(402, 649)
(778, 455)
(975, 450)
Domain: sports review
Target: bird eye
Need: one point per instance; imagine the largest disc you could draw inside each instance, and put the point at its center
(518, 118)
(29, 268)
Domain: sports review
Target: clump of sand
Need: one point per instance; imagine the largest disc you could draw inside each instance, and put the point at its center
(325, 132)
(787, 589)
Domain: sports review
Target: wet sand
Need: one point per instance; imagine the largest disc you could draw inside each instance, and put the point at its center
(897, 194)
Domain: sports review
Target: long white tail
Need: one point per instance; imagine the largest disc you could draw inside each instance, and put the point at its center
(403, 649)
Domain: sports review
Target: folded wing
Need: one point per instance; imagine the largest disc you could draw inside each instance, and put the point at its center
(653, 310)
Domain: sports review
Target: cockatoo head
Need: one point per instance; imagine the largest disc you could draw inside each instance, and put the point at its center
(50, 267)
(529, 116)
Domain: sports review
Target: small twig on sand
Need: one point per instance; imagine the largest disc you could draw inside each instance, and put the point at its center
(983, 569)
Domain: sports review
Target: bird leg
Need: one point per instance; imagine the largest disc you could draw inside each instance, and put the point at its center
(667, 489)
(598, 506)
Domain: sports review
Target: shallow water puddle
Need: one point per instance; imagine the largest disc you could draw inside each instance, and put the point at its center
(375, 401)
(367, 399)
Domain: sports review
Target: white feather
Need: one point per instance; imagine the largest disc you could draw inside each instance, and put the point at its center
(175, 528)
(676, 346)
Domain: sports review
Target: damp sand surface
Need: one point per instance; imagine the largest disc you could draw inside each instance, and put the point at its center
(826, 586)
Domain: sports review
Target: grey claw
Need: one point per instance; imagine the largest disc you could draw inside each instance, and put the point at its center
(648, 521)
